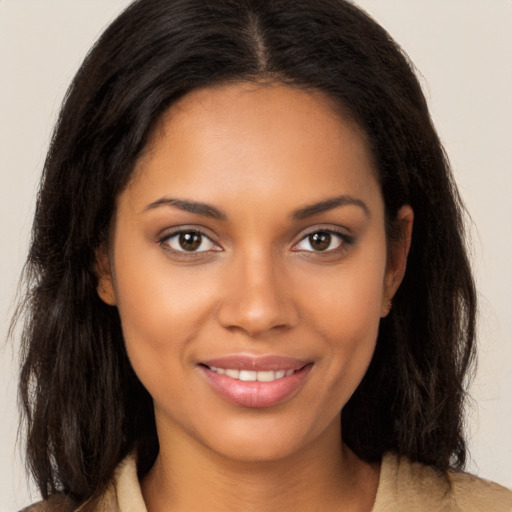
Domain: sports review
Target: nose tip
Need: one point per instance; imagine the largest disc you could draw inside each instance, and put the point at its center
(255, 301)
(254, 318)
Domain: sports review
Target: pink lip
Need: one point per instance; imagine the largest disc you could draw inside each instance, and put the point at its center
(256, 394)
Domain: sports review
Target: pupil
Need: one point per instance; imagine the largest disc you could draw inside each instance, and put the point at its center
(190, 241)
(320, 241)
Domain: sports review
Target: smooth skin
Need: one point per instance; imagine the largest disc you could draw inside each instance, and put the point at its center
(253, 225)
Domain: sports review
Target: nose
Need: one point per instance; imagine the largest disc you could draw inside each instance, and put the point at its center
(257, 297)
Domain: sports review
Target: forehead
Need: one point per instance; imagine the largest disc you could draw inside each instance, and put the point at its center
(252, 139)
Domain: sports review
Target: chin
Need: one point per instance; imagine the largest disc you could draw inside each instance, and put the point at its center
(267, 439)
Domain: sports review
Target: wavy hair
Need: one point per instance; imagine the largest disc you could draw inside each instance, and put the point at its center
(83, 407)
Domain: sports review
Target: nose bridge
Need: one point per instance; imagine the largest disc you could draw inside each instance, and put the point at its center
(255, 298)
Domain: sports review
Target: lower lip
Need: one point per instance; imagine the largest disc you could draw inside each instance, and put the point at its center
(256, 394)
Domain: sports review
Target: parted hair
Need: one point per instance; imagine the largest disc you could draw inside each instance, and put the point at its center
(83, 407)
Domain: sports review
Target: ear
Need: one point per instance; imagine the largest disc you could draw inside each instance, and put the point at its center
(397, 257)
(102, 268)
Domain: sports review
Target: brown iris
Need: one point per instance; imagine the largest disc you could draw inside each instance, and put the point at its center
(190, 241)
(320, 241)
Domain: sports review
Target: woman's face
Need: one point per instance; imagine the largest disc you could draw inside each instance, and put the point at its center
(249, 264)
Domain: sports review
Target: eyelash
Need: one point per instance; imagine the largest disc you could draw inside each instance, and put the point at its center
(344, 241)
(164, 241)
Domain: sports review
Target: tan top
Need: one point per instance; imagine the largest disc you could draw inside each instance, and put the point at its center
(403, 487)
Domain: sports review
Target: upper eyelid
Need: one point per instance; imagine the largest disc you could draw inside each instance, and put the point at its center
(166, 235)
(335, 230)
(164, 242)
(170, 232)
(340, 231)
(346, 239)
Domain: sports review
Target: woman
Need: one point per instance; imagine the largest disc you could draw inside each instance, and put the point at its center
(246, 225)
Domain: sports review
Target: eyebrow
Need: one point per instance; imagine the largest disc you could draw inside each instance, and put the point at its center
(329, 204)
(189, 206)
(208, 210)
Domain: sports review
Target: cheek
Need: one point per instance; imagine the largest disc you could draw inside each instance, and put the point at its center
(348, 300)
(344, 310)
(161, 309)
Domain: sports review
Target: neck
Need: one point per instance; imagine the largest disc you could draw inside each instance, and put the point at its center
(325, 475)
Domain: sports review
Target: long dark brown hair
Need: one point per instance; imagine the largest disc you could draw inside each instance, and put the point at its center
(83, 407)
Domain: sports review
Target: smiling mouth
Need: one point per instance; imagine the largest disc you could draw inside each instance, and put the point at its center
(254, 383)
(252, 376)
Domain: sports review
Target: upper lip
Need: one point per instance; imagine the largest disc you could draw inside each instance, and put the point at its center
(256, 363)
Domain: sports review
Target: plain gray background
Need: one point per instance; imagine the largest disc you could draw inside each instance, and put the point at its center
(463, 50)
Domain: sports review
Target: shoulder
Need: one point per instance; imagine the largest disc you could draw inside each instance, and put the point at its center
(56, 503)
(122, 493)
(414, 486)
(105, 502)
(473, 493)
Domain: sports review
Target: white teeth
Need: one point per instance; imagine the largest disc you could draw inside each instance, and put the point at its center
(231, 373)
(266, 376)
(252, 376)
(247, 375)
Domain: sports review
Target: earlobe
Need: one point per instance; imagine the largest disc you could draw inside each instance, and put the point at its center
(105, 286)
(397, 260)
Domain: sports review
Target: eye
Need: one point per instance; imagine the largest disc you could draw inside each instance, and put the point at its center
(189, 241)
(322, 241)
